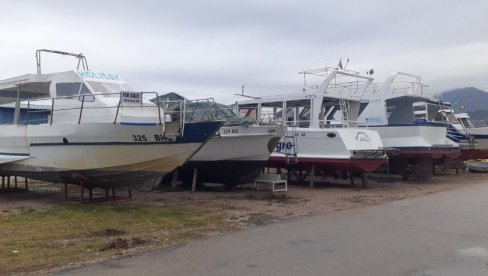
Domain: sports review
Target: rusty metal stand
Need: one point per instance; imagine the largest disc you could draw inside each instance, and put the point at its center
(194, 182)
(312, 177)
(65, 191)
(82, 191)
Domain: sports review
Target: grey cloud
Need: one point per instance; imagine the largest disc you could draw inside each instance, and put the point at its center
(219, 45)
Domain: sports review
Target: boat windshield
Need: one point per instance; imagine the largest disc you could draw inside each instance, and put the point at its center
(450, 117)
(71, 89)
(108, 89)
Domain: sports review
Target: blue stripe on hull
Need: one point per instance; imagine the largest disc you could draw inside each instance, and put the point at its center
(197, 132)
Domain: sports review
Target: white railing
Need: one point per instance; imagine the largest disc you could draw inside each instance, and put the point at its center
(165, 112)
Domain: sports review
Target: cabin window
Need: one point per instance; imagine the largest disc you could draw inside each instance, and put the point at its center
(68, 89)
(433, 113)
(108, 89)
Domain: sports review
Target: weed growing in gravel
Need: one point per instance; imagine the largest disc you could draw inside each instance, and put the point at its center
(33, 240)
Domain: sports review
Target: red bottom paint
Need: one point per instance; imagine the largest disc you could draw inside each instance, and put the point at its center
(474, 154)
(435, 154)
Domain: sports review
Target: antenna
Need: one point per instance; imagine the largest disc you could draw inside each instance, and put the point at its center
(246, 96)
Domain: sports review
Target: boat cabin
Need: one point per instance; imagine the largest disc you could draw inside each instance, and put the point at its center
(400, 101)
(67, 93)
(334, 103)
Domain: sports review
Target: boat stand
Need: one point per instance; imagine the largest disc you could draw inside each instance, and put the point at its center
(108, 195)
(195, 178)
(9, 187)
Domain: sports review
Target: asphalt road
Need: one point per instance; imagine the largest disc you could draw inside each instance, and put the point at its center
(444, 233)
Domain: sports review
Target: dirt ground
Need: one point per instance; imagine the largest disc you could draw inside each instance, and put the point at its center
(248, 207)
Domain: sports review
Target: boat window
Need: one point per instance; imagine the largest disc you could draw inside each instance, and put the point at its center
(304, 117)
(465, 122)
(68, 89)
(433, 113)
(108, 89)
(450, 117)
(419, 107)
(224, 112)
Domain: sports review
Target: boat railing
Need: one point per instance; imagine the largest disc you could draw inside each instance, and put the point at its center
(340, 82)
(89, 102)
(165, 112)
(478, 123)
(183, 111)
(328, 123)
(407, 87)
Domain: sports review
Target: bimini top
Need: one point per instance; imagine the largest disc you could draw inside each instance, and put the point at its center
(63, 84)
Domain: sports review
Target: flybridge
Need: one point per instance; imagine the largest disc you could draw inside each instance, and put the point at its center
(95, 76)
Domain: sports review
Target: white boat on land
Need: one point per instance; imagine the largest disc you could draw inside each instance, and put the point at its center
(322, 134)
(472, 140)
(391, 110)
(481, 167)
(478, 130)
(99, 133)
(238, 151)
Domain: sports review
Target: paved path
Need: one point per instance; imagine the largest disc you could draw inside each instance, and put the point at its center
(439, 234)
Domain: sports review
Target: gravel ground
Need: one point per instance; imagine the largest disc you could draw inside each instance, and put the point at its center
(259, 207)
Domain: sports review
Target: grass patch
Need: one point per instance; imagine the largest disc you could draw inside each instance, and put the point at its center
(34, 240)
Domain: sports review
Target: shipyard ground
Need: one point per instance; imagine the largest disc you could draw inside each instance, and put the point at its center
(242, 208)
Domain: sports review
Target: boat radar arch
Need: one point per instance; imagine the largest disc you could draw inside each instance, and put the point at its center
(81, 58)
(387, 90)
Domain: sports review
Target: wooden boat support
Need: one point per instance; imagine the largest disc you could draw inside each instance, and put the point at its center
(109, 194)
(13, 186)
(313, 173)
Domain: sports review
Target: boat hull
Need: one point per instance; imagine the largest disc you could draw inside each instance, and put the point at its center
(101, 154)
(235, 156)
(418, 141)
(477, 167)
(334, 149)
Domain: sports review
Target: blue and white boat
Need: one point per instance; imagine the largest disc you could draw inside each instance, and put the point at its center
(394, 111)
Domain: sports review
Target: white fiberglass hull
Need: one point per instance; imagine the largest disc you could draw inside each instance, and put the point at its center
(481, 137)
(99, 154)
(236, 155)
(334, 149)
(421, 140)
(240, 143)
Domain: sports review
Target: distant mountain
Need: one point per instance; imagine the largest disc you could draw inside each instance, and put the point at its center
(470, 100)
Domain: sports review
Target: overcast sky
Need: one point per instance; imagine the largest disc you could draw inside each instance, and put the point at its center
(211, 48)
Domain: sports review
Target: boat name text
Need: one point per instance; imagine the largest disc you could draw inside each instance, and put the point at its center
(100, 76)
(143, 138)
(284, 145)
(159, 137)
(139, 138)
(230, 130)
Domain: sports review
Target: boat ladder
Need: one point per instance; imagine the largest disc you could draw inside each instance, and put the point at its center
(290, 146)
(344, 105)
(468, 130)
(466, 127)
